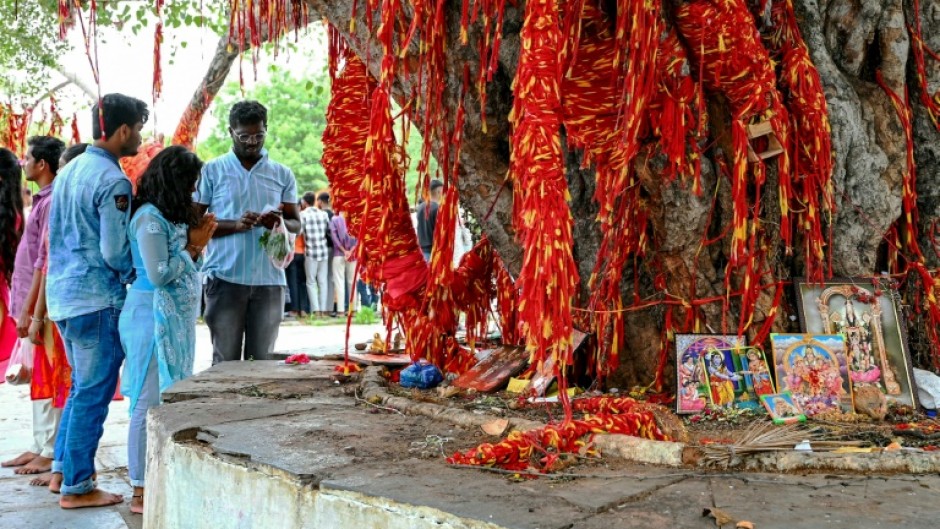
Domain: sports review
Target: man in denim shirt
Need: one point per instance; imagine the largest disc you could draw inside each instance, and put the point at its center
(247, 191)
(89, 266)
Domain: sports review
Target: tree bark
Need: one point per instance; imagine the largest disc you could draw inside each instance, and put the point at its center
(849, 41)
(188, 128)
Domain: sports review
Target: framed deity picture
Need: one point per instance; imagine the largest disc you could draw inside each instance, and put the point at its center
(866, 314)
(691, 387)
(736, 377)
(782, 408)
(813, 368)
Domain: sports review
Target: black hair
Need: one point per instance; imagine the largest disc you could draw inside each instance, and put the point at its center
(11, 211)
(117, 110)
(310, 198)
(47, 149)
(324, 197)
(167, 183)
(436, 184)
(73, 152)
(247, 113)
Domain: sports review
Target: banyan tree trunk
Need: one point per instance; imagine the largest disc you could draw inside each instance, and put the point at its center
(849, 41)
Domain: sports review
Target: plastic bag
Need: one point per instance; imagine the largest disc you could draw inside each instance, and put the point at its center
(421, 375)
(279, 245)
(20, 368)
(928, 388)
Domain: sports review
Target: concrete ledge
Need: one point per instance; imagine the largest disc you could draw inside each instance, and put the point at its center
(231, 460)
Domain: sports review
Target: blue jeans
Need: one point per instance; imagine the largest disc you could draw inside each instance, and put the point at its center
(137, 433)
(366, 297)
(94, 351)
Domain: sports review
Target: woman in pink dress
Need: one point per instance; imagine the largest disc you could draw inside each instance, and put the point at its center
(11, 229)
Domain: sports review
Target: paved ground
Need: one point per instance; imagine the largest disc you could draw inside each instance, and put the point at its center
(25, 507)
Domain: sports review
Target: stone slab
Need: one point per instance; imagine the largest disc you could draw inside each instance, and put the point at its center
(111, 457)
(236, 377)
(601, 495)
(53, 517)
(468, 494)
(302, 445)
(173, 418)
(781, 502)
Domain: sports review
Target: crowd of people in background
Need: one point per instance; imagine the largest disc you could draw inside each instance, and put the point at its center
(103, 279)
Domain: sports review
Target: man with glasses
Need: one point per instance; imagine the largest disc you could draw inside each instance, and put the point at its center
(248, 192)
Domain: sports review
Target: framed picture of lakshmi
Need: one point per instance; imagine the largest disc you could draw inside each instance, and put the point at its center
(865, 313)
(814, 369)
(736, 378)
(691, 386)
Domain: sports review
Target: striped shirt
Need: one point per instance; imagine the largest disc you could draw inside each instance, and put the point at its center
(229, 190)
(315, 224)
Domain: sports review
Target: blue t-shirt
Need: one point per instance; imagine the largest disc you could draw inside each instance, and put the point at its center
(229, 190)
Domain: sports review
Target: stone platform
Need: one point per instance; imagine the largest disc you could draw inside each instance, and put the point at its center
(262, 445)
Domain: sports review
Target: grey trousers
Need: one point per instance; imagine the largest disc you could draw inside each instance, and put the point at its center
(243, 318)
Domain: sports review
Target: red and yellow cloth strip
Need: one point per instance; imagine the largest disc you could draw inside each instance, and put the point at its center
(472, 289)
(726, 48)
(905, 232)
(810, 143)
(157, 45)
(677, 112)
(542, 448)
(591, 112)
(489, 14)
(541, 216)
(250, 21)
(344, 143)
(507, 303)
(14, 133)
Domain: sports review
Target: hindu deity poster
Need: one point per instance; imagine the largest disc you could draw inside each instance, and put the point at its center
(782, 408)
(814, 369)
(865, 313)
(736, 378)
(692, 387)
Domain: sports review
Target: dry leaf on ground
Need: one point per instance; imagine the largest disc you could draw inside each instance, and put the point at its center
(721, 517)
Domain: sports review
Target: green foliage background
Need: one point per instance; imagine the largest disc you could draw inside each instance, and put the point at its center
(297, 104)
(296, 99)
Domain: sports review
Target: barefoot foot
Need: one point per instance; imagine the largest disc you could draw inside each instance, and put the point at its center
(95, 498)
(42, 480)
(36, 466)
(20, 460)
(55, 482)
(137, 501)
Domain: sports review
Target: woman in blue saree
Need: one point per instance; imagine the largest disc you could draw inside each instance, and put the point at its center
(158, 322)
